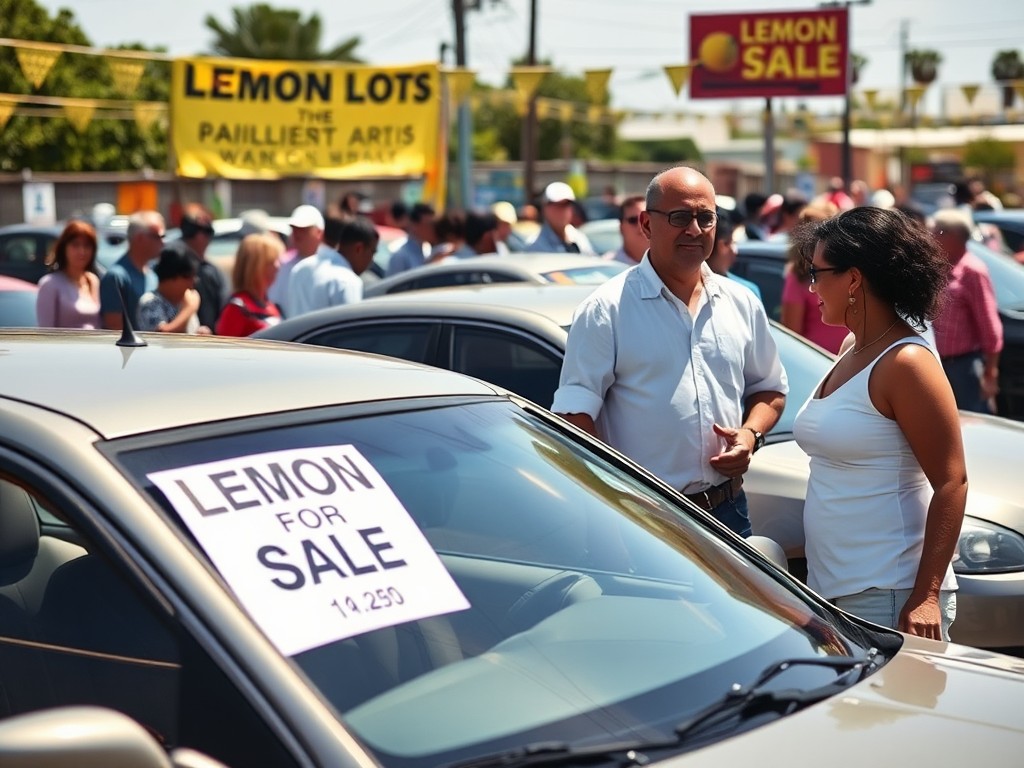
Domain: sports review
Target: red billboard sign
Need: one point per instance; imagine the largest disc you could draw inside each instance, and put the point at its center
(787, 53)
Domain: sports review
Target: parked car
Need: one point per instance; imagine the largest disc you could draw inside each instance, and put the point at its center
(563, 268)
(17, 303)
(1010, 225)
(603, 234)
(25, 250)
(514, 336)
(763, 262)
(283, 555)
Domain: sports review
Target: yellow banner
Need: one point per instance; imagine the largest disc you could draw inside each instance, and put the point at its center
(6, 110)
(80, 115)
(597, 83)
(527, 79)
(460, 84)
(969, 92)
(679, 75)
(35, 65)
(871, 98)
(127, 74)
(251, 119)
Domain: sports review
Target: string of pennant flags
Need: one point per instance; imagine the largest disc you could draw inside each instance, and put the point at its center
(37, 59)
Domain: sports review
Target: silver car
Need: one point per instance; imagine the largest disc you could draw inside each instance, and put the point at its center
(562, 268)
(225, 552)
(515, 336)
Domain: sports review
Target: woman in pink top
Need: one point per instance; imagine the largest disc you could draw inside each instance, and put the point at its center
(800, 308)
(69, 297)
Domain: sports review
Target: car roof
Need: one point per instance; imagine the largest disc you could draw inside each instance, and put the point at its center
(181, 380)
(516, 303)
(773, 248)
(14, 284)
(528, 265)
(46, 229)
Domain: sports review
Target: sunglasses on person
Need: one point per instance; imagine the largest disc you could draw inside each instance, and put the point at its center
(814, 271)
(682, 219)
(633, 220)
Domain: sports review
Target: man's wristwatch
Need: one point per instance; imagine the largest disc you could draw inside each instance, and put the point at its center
(758, 438)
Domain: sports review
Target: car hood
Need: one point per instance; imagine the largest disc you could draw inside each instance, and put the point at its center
(933, 704)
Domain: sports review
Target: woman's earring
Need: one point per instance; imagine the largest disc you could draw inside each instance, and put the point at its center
(852, 302)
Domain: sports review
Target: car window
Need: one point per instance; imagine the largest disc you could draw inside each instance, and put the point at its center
(1007, 276)
(590, 275)
(18, 249)
(443, 279)
(767, 274)
(79, 628)
(409, 341)
(508, 360)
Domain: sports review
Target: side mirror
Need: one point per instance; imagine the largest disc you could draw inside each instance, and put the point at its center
(771, 550)
(78, 736)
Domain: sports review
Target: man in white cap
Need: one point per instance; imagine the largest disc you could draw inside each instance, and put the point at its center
(307, 225)
(506, 215)
(557, 235)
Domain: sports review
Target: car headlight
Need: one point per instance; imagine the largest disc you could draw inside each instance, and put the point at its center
(988, 548)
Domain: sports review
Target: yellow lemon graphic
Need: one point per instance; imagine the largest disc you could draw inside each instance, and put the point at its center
(719, 52)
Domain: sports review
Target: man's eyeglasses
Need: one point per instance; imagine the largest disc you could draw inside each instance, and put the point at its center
(154, 234)
(814, 271)
(682, 219)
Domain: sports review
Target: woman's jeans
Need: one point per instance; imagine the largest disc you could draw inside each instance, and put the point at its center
(883, 606)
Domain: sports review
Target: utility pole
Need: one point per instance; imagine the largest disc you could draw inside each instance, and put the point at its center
(904, 68)
(847, 150)
(528, 145)
(465, 117)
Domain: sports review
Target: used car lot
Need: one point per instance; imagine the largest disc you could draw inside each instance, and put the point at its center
(565, 268)
(334, 559)
(514, 336)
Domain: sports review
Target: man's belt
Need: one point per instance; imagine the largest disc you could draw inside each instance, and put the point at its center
(716, 494)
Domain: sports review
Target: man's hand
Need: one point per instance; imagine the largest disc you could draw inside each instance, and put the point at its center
(734, 460)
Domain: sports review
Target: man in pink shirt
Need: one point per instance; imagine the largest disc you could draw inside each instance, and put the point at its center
(968, 331)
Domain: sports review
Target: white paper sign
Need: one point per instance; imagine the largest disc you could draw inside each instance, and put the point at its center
(313, 542)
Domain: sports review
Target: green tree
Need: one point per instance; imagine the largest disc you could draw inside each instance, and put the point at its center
(1007, 67)
(260, 31)
(988, 157)
(857, 62)
(924, 65)
(501, 124)
(49, 142)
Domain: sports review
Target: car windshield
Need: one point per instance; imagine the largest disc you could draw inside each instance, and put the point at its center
(1006, 273)
(464, 579)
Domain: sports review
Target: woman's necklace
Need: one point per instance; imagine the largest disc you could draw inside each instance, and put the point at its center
(865, 346)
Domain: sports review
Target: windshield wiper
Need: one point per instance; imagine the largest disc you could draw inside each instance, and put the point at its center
(739, 700)
(750, 700)
(560, 752)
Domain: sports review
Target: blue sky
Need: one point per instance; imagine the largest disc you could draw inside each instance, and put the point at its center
(635, 38)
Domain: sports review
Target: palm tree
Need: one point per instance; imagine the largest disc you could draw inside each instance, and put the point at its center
(858, 62)
(1007, 67)
(263, 32)
(924, 65)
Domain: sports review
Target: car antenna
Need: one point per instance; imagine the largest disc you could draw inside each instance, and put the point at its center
(129, 338)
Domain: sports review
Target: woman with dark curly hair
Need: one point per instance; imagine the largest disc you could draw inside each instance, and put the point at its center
(888, 482)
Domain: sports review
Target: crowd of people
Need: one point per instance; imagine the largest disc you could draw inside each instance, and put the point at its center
(909, 311)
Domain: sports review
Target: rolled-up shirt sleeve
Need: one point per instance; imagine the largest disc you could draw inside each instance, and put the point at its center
(588, 368)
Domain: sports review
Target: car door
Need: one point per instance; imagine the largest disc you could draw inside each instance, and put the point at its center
(83, 622)
(505, 356)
